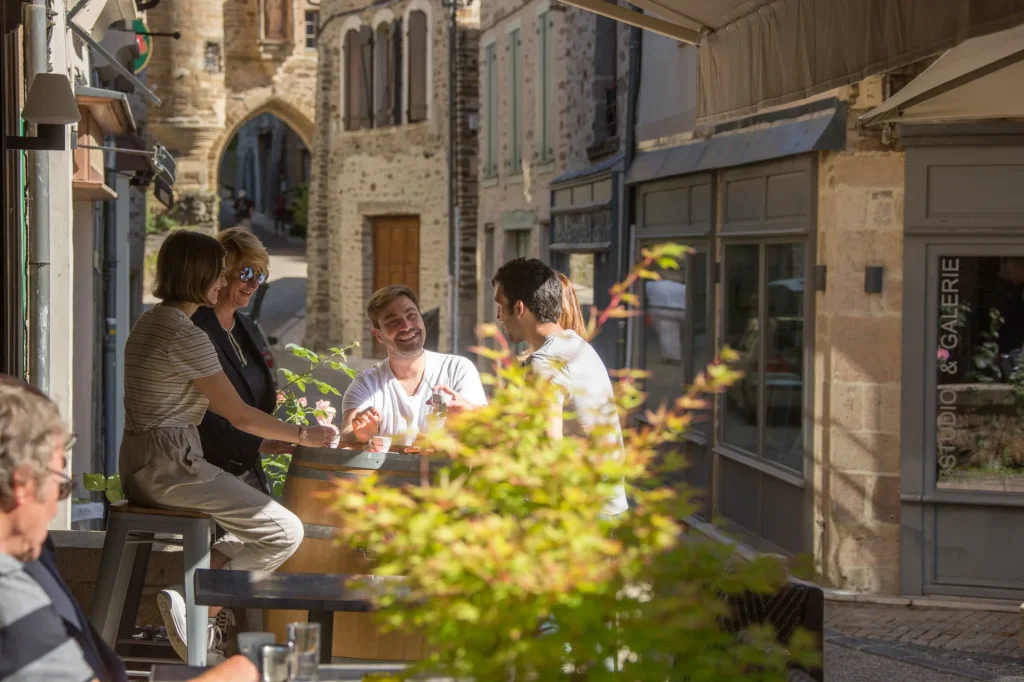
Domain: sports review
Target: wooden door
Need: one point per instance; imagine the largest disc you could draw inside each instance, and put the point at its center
(396, 256)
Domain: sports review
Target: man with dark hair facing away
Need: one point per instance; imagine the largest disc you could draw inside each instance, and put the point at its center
(528, 295)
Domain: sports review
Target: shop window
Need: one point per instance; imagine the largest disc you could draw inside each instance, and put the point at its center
(490, 167)
(675, 338)
(764, 323)
(581, 274)
(419, 50)
(312, 27)
(979, 391)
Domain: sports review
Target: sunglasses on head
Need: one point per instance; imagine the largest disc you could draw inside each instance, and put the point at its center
(248, 272)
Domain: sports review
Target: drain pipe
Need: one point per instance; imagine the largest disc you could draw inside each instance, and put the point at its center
(38, 167)
(454, 252)
(628, 215)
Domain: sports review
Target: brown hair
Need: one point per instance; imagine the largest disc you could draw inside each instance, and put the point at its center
(384, 297)
(242, 247)
(572, 314)
(30, 427)
(187, 266)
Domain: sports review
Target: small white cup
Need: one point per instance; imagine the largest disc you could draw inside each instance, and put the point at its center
(380, 444)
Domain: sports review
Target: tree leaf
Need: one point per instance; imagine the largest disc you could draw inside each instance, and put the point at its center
(94, 483)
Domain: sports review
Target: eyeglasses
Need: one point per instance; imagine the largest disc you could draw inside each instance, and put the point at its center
(248, 272)
(72, 439)
(67, 484)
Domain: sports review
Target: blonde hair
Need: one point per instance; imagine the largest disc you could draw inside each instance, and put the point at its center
(243, 247)
(384, 297)
(572, 314)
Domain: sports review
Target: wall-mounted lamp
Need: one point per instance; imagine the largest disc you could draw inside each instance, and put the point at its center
(52, 107)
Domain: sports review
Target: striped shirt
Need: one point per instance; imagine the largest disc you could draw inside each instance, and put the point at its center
(163, 356)
(34, 644)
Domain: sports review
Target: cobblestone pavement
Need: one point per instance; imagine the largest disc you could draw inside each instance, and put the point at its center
(959, 630)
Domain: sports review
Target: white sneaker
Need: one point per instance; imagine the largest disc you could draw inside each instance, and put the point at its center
(172, 610)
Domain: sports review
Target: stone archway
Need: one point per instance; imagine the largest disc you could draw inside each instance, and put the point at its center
(244, 109)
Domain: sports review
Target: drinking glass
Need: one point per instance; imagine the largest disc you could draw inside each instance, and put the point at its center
(305, 641)
(277, 662)
(250, 644)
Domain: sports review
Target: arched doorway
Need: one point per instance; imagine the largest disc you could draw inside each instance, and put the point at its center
(268, 160)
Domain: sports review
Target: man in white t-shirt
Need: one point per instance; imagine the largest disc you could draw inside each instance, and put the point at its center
(529, 301)
(393, 398)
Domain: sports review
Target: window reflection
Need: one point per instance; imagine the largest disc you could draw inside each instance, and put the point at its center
(979, 420)
(664, 325)
(783, 363)
(581, 274)
(740, 413)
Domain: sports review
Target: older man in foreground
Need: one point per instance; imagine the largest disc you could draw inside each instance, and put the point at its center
(35, 645)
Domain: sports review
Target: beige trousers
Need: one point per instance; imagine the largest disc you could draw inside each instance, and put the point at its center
(165, 468)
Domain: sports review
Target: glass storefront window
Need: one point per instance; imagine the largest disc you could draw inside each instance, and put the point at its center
(768, 423)
(581, 274)
(979, 396)
(740, 414)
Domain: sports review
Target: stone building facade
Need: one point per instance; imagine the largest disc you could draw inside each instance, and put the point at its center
(379, 189)
(233, 61)
(554, 101)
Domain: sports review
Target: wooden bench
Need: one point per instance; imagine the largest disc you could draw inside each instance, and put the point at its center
(316, 593)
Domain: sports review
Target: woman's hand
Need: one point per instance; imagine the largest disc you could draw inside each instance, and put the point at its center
(316, 436)
(276, 447)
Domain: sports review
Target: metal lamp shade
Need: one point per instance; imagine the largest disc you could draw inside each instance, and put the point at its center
(51, 101)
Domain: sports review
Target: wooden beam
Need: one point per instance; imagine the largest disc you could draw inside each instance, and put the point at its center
(660, 26)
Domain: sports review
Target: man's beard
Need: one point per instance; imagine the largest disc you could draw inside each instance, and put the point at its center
(410, 348)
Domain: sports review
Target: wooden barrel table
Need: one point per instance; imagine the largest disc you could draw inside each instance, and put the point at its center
(356, 635)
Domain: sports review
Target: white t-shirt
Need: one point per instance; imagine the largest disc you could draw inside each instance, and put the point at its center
(402, 414)
(574, 366)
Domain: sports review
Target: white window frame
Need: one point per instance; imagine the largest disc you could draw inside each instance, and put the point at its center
(425, 7)
(305, 28)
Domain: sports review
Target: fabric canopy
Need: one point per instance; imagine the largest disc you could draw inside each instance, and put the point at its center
(980, 78)
(757, 54)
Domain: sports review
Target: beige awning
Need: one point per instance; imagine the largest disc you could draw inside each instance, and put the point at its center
(756, 54)
(978, 79)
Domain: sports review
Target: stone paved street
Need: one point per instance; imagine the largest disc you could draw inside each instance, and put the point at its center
(961, 630)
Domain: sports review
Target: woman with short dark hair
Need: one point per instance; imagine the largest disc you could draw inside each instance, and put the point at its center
(172, 376)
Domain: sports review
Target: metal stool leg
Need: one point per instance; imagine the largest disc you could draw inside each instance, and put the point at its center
(198, 541)
(115, 572)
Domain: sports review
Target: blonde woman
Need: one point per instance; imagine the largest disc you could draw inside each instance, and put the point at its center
(172, 376)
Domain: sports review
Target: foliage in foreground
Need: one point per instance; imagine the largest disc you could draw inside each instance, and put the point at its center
(508, 538)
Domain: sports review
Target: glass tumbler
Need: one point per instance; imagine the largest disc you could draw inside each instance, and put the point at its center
(304, 638)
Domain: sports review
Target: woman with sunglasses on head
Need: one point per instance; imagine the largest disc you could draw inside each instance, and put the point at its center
(242, 355)
(173, 375)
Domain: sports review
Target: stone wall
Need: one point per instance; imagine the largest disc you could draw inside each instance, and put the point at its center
(205, 103)
(393, 171)
(858, 358)
(514, 198)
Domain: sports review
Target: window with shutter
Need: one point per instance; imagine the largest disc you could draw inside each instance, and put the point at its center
(366, 76)
(277, 20)
(358, 70)
(396, 71)
(491, 111)
(515, 103)
(545, 87)
(383, 77)
(418, 45)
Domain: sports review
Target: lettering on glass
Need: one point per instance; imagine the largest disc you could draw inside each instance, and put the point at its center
(979, 390)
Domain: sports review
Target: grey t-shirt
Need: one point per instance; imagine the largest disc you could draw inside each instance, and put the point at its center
(575, 367)
(34, 644)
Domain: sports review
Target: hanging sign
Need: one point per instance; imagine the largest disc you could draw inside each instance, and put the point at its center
(144, 43)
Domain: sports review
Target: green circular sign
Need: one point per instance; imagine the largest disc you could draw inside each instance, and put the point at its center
(145, 44)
